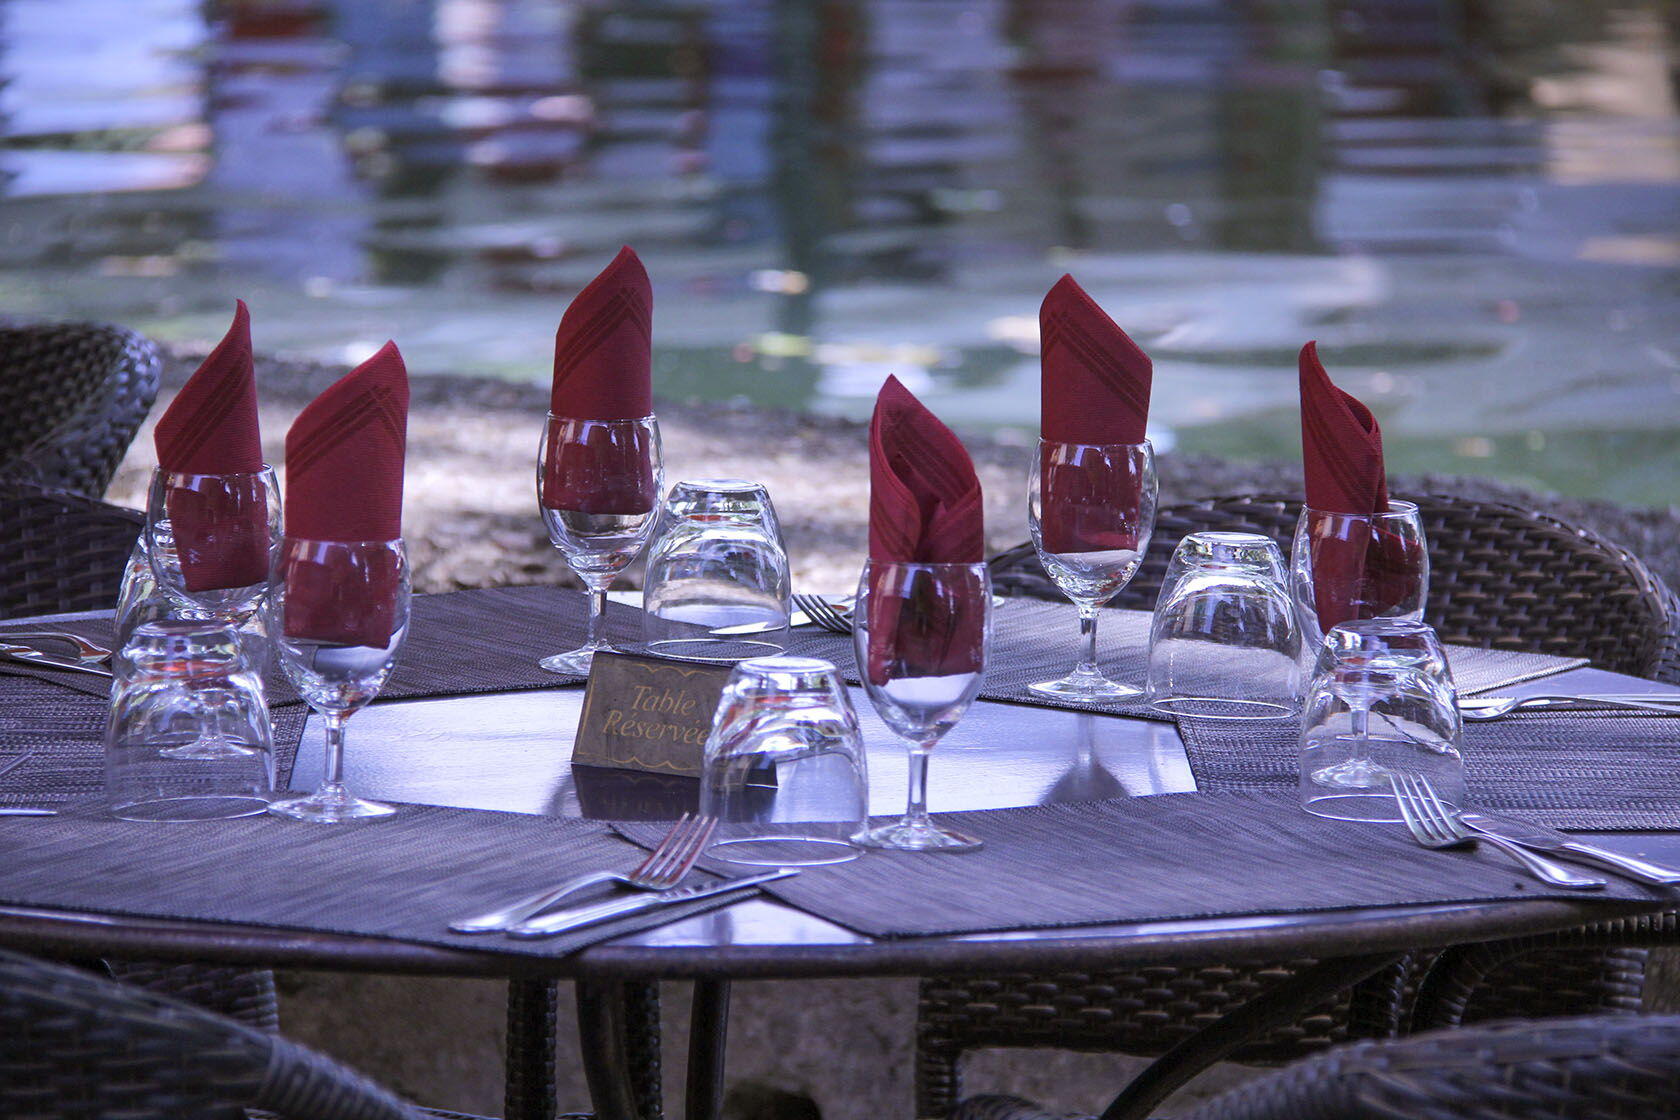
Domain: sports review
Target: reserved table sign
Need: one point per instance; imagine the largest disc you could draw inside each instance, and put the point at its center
(647, 713)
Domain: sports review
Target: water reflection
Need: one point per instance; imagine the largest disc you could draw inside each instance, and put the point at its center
(1472, 204)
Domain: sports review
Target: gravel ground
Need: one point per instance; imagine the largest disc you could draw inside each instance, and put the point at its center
(470, 522)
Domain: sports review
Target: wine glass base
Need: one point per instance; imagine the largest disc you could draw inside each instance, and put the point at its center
(1354, 773)
(331, 808)
(573, 664)
(1091, 689)
(909, 837)
(208, 749)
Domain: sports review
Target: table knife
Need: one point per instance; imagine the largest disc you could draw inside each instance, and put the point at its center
(577, 917)
(797, 618)
(23, 655)
(1552, 841)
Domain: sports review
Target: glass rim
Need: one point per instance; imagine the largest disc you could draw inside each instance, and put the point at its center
(1397, 507)
(930, 565)
(719, 485)
(649, 418)
(181, 628)
(1074, 443)
(266, 469)
(1392, 623)
(288, 539)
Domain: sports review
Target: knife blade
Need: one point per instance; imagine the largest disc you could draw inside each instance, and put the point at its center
(797, 618)
(1553, 842)
(577, 917)
(24, 655)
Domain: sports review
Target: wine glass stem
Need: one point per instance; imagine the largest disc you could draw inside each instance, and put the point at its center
(1360, 717)
(597, 609)
(334, 779)
(1088, 630)
(916, 814)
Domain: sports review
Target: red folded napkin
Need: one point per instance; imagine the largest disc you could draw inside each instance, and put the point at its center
(603, 370)
(1363, 574)
(1094, 389)
(924, 506)
(344, 482)
(220, 525)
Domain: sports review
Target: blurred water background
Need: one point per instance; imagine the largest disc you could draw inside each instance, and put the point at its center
(1474, 205)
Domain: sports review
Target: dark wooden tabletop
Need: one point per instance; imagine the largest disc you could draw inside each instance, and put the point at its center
(511, 751)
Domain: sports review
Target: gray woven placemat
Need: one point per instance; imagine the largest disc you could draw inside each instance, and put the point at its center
(1581, 770)
(65, 731)
(1036, 640)
(403, 878)
(1176, 856)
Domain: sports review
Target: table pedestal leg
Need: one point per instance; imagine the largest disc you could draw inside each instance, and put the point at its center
(530, 1090)
(618, 1034)
(1267, 1011)
(707, 1039)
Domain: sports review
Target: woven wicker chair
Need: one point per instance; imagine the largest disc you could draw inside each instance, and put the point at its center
(63, 552)
(1589, 1069)
(1501, 577)
(76, 1045)
(72, 396)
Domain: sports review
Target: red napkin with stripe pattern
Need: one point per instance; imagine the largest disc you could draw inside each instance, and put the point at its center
(603, 370)
(220, 526)
(1094, 385)
(344, 482)
(925, 505)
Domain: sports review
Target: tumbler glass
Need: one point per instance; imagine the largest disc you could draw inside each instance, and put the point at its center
(1223, 643)
(717, 562)
(784, 768)
(188, 736)
(1381, 702)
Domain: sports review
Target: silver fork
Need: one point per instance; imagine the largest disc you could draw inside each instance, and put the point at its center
(1492, 707)
(823, 613)
(1434, 826)
(664, 868)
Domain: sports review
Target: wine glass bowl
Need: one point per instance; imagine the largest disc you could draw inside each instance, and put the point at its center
(598, 484)
(921, 633)
(338, 615)
(210, 540)
(1351, 566)
(1091, 512)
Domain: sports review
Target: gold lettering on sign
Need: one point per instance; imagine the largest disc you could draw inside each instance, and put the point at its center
(645, 713)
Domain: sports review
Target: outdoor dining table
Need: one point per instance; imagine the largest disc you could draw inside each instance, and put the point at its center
(511, 751)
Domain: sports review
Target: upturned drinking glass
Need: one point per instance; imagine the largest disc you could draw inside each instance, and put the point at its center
(717, 561)
(1091, 510)
(211, 540)
(188, 735)
(785, 772)
(1223, 642)
(337, 616)
(1349, 566)
(598, 484)
(1382, 701)
(921, 633)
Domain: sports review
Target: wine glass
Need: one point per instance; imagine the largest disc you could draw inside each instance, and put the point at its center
(1091, 510)
(337, 616)
(1350, 566)
(211, 540)
(921, 631)
(598, 484)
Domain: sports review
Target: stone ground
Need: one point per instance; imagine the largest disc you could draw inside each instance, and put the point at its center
(470, 522)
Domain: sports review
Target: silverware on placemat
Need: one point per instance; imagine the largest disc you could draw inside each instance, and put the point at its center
(1434, 825)
(564, 921)
(28, 655)
(665, 867)
(1540, 838)
(1492, 707)
(89, 653)
(832, 617)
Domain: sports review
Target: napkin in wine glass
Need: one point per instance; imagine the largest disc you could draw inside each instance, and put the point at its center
(344, 482)
(1094, 384)
(1341, 445)
(220, 527)
(924, 506)
(603, 370)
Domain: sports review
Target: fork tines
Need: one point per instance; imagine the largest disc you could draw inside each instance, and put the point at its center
(823, 613)
(667, 864)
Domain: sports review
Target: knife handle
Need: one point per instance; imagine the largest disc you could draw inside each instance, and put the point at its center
(565, 921)
(1633, 867)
